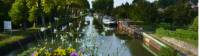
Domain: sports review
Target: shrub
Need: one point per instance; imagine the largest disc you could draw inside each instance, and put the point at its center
(166, 51)
(165, 25)
(187, 34)
(161, 31)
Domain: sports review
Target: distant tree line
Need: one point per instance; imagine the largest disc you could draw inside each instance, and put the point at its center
(174, 13)
(103, 6)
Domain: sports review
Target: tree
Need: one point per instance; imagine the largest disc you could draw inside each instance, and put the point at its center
(33, 15)
(179, 15)
(43, 11)
(122, 11)
(166, 3)
(5, 6)
(64, 7)
(143, 10)
(103, 6)
(19, 13)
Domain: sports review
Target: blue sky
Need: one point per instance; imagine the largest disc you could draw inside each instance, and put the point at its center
(120, 2)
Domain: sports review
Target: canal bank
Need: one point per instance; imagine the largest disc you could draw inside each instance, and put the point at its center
(183, 47)
(157, 45)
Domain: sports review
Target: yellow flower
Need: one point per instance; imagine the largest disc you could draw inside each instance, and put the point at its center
(60, 51)
(40, 50)
(47, 53)
(35, 53)
(70, 50)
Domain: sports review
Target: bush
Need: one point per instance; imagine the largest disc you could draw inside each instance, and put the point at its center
(165, 25)
(162, 32)
(187, 34)
(166, 51)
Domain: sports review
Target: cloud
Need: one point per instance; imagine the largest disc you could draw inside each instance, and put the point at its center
(120, 2)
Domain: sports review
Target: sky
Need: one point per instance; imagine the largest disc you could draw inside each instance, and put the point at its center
(90, 2)
(119, 2)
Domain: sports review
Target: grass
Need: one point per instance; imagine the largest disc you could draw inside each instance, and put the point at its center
(167, 51)
(3, 36)
(10, 37)
(181, 34)
(11, 40)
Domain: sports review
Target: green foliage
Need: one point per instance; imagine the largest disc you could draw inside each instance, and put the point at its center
(185, 35)
(165, 25)
(121, 11)
(176, 13)
(18, 12)
(195, 24)
(3, 36)
(44, 51)
(5, 6)
(103, 6)
(161, 31)
(142, 10)
(165, 3)
(180, 14)
(47, 6)
(33, 14)
(32, 10)
(179, 33)
(166, 51)
(11, 40)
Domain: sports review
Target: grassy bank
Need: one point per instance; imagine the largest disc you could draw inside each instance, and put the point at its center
(11, 40)
(10, 37)
(181, 34)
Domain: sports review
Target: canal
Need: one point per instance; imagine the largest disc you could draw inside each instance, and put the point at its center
(85, 38)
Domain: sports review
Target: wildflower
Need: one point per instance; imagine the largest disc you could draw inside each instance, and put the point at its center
(48, 53)
(41, 49)
(70, 50)
(60, 51)
(74, 54)
(35, 53)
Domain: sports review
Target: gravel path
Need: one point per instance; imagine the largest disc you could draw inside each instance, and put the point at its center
(179, 45)
(184, 47)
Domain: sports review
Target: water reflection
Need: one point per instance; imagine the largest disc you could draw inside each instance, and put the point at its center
(101, 45)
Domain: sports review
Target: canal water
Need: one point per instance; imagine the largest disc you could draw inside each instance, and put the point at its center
(85, 37)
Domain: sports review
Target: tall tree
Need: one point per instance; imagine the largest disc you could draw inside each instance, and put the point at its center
(143, 10)
(179, 14)
(166, 3)
(103, 6)
(19, 13)
(33, 11)
(122, 11)
(5, 6)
